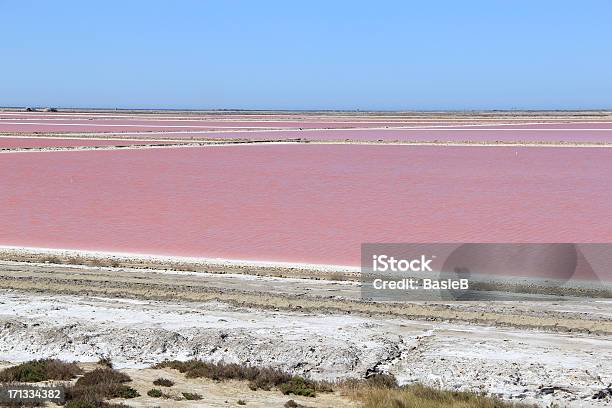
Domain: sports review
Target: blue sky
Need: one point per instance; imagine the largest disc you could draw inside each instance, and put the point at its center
(307, 55)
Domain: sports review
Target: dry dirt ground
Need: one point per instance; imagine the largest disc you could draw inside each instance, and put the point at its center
(319, 328)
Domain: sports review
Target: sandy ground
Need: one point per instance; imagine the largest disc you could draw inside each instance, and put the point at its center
(312, 327)
(219, 394)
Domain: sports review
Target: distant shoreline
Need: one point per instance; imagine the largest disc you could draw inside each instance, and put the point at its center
(7, 250)
(470, 112)
(518, 285)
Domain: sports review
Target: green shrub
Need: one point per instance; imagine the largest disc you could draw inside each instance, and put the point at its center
(298, 386)
(124, 391)
(163, 382)
(155, 393)
(103, 376)
(40, 370)
(191, 396)
(98, 385)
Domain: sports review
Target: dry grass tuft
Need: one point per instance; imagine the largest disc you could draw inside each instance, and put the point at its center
(51, 259)
(105, 361)
(377, 395)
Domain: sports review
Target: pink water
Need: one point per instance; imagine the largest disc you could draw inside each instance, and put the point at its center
(27, 123)
(111, 125)
(21, 142)
(302, 203)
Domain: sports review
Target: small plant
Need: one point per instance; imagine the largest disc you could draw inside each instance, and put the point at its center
(291, 404)
(96, 262)
(241, 402)
(75, 260)
(155, 393)
(105, 361)
(382, 381)
(163, 382)
(298, 386)
(338, 276)
(127, 392)
(192, 396)
(51, 259)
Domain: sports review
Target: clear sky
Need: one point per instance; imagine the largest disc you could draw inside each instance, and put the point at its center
(307, 55)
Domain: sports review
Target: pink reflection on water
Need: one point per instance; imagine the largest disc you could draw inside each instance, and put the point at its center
(302, 203)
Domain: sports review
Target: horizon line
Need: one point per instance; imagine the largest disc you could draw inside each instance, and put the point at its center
(90, 108)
